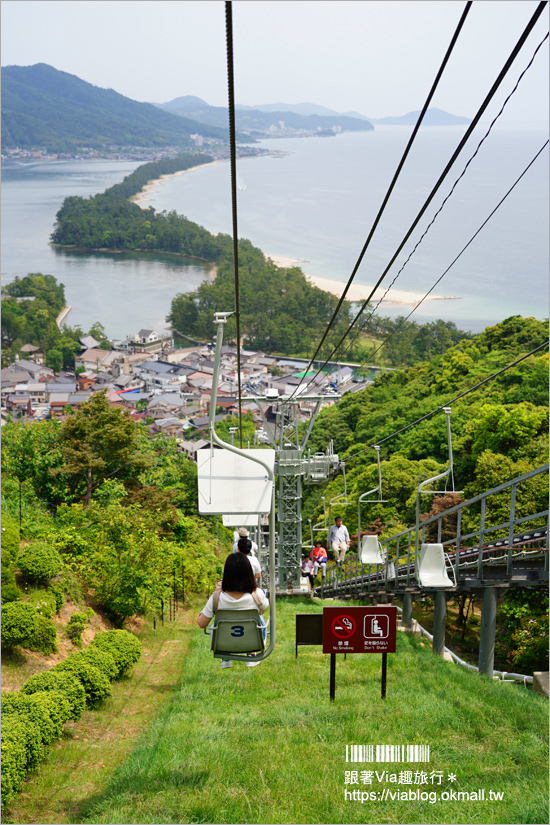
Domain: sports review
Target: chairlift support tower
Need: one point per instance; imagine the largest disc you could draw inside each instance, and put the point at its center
(293, 468)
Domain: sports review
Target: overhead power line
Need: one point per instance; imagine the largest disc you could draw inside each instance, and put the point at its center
(452, 400)
(395, 177)
(464, 248)
(233, 155)
(516, 50)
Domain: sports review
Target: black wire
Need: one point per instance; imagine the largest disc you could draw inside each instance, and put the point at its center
(395, 177)
(448, 403)
(233, 155)
(464, 248)
(445, 172)
(457, 181)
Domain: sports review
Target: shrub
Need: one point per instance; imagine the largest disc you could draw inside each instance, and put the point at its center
(10, 548)
(15, 729)
(45, 640)
(32, 712)
(19, 624)
(58, 593)
(43, 602)
(123, 647)
(101, 659)
(55, 681)
(39, 562)
(76, 626)
(14, 758)
(96, 685)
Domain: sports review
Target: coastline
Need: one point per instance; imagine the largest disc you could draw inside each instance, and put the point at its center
(360, 292)
(142, 196)
(357, 292)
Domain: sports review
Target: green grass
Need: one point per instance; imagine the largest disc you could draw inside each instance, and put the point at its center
(266, 744)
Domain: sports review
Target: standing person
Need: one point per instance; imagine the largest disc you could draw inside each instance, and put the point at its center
(244, 546)
(239, 591)
(244, 534)
(338, 539)
(307, 570)
(320, 559)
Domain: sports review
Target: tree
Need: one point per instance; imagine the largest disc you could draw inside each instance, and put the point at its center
(98, 442)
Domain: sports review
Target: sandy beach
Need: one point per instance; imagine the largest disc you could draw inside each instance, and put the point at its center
(360, 292)
(142, 197)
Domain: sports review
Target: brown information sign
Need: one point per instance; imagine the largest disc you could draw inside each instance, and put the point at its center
(359, 629)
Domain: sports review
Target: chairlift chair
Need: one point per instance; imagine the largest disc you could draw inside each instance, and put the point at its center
(371, 551)
(236, 632)
(431, 570)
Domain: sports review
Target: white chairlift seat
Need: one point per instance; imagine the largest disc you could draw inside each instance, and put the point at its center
(371, 552)
(430, 571)
(236, 631)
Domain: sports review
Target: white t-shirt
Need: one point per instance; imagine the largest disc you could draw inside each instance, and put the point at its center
(227, 602)
(252, 552)
(254, 563)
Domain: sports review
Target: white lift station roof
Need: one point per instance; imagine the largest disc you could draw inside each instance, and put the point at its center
(231, 483)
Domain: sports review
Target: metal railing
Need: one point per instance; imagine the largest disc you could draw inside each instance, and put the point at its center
(471, 550)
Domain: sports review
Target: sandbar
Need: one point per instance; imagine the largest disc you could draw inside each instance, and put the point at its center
(141, 196)
(360, 292)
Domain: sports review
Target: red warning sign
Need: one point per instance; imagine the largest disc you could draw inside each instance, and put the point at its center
(343, 626)
(359, 629)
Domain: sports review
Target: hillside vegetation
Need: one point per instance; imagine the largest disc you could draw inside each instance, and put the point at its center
(44, 107)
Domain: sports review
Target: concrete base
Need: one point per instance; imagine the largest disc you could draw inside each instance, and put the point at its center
(540, 683)
(413, 629)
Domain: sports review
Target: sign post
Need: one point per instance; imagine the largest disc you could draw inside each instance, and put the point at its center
(359, 630)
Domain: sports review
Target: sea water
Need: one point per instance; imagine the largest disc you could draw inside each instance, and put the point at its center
(315, 200)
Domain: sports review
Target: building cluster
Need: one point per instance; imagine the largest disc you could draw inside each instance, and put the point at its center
(168, 389)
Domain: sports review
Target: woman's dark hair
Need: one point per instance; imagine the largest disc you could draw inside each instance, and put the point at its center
(238, 575)
(244, 545)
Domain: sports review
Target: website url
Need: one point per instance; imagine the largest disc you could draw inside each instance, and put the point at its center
(410, 795)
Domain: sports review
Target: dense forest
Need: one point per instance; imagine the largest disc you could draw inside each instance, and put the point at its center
(118, 508)
(47, 108)
(500, 431)
(34, 322)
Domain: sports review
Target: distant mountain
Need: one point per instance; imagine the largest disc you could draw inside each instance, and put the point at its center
(44, 107)
(433, 117)
(259, 121)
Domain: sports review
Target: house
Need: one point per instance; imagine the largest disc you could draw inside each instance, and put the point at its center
(88, 342)
(167, 427)
(95, 359)
(147, 340)
(33, 352)
(36, 371)
(19, 406)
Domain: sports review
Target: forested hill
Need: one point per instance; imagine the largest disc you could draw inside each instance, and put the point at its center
(44, 107)
(499, 430)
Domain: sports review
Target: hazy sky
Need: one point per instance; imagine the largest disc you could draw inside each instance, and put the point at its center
(378, 58)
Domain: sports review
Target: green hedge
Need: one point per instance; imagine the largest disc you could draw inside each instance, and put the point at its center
(22, 750)
(96, 685)
(122, 645)
(76, 626)
(35, 716)
(58, 682)
(39, 561)
(22, 625)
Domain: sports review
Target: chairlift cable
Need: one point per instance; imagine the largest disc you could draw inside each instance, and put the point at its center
(504, 71)
(395, 177)
(457, 181)
(464, 248)
(448, 403)
(233, 163)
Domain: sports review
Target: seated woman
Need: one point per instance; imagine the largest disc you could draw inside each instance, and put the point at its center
(239, 591)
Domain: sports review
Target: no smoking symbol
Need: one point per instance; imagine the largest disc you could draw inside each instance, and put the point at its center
(343, 627)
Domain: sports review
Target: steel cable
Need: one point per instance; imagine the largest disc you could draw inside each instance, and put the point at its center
(233, 157)
(504, 71)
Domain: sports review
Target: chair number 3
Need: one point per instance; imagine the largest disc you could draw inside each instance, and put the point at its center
(237, 630)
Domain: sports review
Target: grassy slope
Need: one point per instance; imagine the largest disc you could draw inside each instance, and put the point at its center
(265, 744)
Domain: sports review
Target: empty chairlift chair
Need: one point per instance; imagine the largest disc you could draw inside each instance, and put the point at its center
(236, 632)
(431, 571)
(371, 551)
